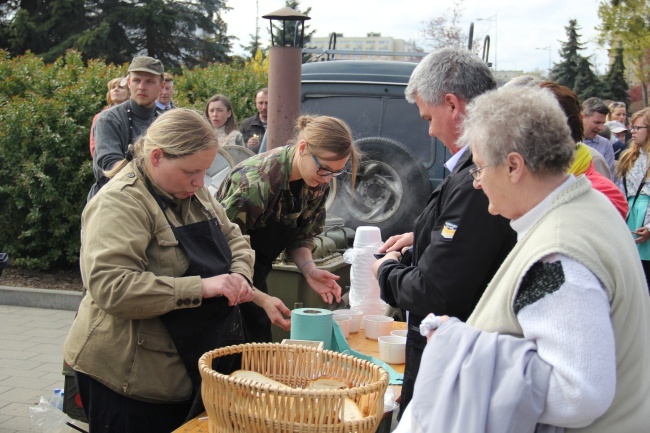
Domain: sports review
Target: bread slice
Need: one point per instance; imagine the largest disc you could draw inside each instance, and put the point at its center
(351, 411)
(328, 382)
(256, 377)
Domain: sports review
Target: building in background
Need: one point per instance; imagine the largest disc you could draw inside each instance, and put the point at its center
(369, 47)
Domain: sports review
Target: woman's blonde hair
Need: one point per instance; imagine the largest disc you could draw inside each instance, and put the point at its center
(231, 123)
(178, 133)
(111, 84)
(614, 105)
(328, 134)
(629, 156)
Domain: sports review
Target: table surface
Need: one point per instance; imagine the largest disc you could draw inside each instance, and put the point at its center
(357, 341)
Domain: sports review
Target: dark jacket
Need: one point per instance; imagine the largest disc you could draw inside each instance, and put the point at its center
(457, 248)
(250, 126)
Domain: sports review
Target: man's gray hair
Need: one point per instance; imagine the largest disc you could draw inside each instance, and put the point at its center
(449, 70)
(594, 105)
(526, 120)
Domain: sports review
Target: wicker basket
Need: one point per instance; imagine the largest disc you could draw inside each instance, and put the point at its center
(238, 405)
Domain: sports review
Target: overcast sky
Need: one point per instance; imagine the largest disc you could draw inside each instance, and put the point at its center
(520, 27)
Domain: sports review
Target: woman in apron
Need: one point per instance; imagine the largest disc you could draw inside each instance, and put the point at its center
(632, 179)
(278, 199)
(165, 272)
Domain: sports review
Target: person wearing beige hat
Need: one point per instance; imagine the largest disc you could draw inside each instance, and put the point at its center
(121, 125)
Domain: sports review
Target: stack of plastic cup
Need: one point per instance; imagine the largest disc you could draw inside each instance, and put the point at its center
(364, 288)
(366, 236)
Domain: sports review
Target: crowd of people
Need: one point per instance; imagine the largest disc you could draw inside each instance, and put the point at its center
(547, 332)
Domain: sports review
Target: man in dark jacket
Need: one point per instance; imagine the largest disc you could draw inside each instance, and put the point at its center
(254, 128)
(456, 246)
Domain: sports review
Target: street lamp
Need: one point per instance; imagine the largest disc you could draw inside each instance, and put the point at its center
(285, 60)
(549, 58)
(496, 33)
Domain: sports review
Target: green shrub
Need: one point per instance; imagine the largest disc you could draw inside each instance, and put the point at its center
(45, 166)
(239, 83)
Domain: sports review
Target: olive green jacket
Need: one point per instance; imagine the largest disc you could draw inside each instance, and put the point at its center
(132, 267)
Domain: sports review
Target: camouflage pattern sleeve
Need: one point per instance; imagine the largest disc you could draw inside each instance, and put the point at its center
(245, 194)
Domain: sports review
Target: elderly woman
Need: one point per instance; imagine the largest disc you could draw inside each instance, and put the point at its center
(559, 339)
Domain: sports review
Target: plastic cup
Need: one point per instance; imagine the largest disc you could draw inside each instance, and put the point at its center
(366, 235)
(392, 349)
(399, 332)
(377, 326)
(355, 318)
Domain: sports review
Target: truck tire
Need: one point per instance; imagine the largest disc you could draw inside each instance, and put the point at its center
(391, 188)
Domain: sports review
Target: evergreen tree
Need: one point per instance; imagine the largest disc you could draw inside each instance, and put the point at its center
(614, 82)
(626, 23)
(587, 84)
(566, 72)
(178, 33)
(45, 27)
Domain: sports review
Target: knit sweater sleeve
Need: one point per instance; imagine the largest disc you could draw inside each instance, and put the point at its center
(565, 310)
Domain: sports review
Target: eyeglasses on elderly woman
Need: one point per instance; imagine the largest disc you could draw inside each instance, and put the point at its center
(475, 172)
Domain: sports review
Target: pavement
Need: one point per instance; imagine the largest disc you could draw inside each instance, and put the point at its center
(33, 326)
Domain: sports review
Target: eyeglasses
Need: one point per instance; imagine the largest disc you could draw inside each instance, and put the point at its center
(325, 172)
(617, 104)
(636, 128)
(475, 172)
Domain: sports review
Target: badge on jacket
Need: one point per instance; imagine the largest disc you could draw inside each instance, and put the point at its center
(449, 230)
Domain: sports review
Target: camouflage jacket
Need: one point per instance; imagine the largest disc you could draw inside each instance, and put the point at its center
(258, 191)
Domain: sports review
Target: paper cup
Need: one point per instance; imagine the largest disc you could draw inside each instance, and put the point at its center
(399, 332)
(355, 315)
(377, 326)
(392, 349)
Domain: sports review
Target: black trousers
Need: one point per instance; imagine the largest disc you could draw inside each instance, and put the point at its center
(110, 412)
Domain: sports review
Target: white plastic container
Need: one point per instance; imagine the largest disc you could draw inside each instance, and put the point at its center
(392, 349)
(377, 326)
(356, 316)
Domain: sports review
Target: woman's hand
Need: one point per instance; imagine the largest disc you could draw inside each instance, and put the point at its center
(397, 243)
(443, 319)
(322, 282)
(275, 309)
(643, 234)
(394, 255)
(228, 285)
(246, 292)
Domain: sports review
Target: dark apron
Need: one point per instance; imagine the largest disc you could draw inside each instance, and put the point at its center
(268, 243)
(213, 324)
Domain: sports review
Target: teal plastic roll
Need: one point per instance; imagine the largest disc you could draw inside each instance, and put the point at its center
(314, 324)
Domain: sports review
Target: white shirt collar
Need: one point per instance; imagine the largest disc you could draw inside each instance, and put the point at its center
(451, 162)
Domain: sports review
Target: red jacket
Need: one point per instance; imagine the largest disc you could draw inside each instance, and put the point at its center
(607, 187)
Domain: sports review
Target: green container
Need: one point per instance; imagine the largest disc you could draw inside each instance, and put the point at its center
(287, 283)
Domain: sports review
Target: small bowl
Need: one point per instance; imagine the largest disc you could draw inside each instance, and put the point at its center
(392, 349)
(344, 322)
(377, 326)
(355, 315)
(399, 332)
